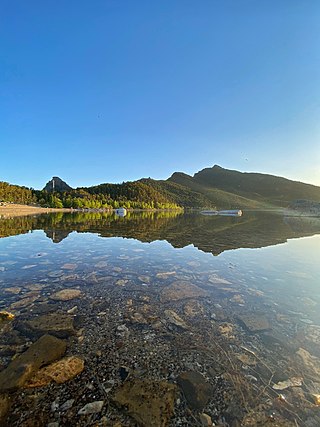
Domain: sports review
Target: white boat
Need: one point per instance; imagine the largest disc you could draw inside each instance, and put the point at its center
(209, 212)
(236, 212)
(121, 211)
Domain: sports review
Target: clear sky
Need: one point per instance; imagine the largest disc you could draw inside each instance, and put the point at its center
(115, 90)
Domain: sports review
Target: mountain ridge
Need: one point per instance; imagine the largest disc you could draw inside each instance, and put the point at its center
(212, 187)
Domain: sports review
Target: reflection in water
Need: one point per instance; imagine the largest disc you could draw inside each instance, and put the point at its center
(142, 309)
(210, 234)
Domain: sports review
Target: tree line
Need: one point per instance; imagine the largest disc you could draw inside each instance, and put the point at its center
(131, 195)
(16, 194)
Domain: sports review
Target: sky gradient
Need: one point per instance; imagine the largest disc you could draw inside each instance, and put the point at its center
(115, 90)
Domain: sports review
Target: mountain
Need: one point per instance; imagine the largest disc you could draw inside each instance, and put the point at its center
(261, 188)
(56, 184)
(213, 187)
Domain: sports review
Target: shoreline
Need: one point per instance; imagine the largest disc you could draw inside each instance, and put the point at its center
(17, 210)
(14, 210)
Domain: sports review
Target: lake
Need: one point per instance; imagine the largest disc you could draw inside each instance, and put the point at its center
(160, 318)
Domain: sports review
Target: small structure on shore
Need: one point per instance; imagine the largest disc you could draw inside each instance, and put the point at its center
(121, 212)
(308, 208)
(236, 212)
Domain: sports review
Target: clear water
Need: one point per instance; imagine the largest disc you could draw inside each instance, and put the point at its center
(262, 265)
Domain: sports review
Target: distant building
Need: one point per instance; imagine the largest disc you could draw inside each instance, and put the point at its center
(121, 211)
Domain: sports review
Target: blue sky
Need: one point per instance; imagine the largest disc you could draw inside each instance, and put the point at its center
(116, 90)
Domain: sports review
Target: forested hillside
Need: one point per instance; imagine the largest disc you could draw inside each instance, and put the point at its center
(16, 194)
(215, 187)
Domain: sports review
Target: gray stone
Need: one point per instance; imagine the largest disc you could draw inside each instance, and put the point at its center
(174, 319)
(255, 322)
(150, 403)
(58, 324)
(195, 388)
(91, 408)
(67, 405)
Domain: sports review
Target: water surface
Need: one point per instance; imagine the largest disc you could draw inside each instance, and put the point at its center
(254, 324)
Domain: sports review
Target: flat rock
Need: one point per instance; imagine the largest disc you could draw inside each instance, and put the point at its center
(55, 274)
(13, 290)
(69, 266)
(58, 324)
(61, 371)
(66, 295)
(195, 388)
(173, 318)
(215, 279)
(67, 405)
(45, 350)
(165, 275)
(150, 403)
(24, 302)
(92, 408)
(311, 363)
(180, 290)
(255, 322)
(291, 382)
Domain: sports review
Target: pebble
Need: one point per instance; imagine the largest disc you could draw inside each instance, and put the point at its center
(91, 408)
(205, 420)
(67, 405)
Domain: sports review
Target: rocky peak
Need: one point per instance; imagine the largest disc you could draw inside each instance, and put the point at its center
(56, 184)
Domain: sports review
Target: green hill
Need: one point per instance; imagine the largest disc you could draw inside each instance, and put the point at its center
(15, 193)
(232, 189)
(214, 187)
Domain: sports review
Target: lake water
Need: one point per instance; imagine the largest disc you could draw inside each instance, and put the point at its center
(224, 310)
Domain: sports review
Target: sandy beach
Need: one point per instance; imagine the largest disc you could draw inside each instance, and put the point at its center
(13, 210)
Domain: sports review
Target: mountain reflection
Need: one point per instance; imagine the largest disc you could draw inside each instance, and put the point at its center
(213, 234)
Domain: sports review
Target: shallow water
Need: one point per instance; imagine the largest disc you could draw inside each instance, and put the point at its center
(259, 278)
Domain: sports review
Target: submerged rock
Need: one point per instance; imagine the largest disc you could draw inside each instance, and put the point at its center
(58, 324)
(24, 302)
(291, 382)
(59, 372)
(316, 399)
(69, 266)
(44, 351)
(205, 420)
(13, 290)
(165, 275)
(174, 319)
(150, 403)
(215, 279)
(5, 316)
(311, 363)
(66, 295)
(180, 290)
(255, 322)
(195, 388)
(67, 405)
(91, 408)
